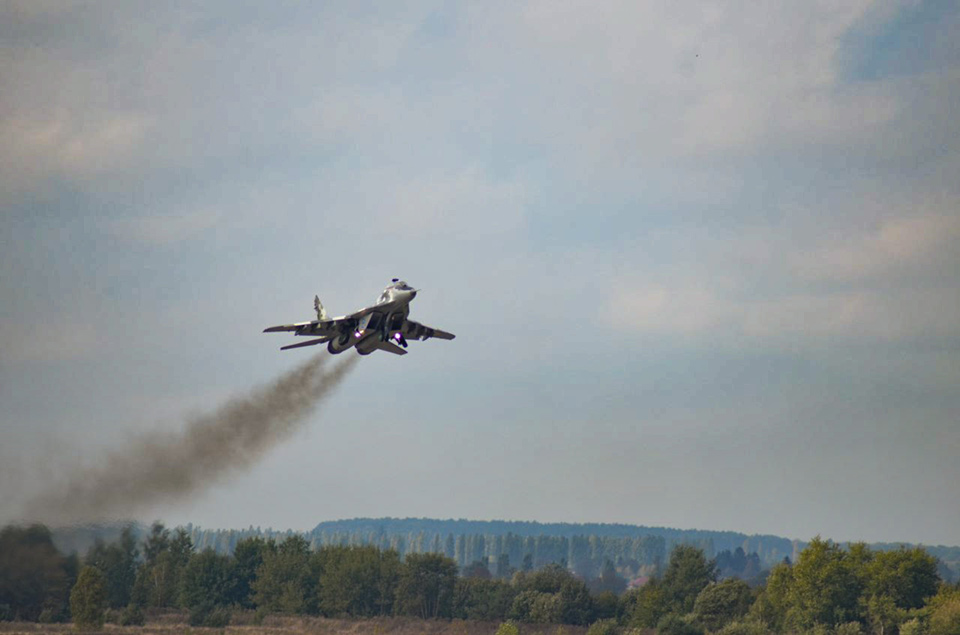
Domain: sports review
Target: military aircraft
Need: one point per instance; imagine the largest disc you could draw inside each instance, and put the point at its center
(383, 326)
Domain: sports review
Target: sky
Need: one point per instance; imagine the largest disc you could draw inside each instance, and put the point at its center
(701, 258)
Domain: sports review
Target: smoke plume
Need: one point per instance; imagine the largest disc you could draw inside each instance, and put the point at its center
(166, 467)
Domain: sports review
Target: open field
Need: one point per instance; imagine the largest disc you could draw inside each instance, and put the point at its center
(243, 624)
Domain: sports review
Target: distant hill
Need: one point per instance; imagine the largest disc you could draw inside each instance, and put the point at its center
(771, 549)
(583, 546)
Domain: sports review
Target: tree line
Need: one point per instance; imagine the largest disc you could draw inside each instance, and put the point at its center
(829, 590)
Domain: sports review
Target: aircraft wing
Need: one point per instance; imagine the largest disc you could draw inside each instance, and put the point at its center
(317, 328)
(415, 331)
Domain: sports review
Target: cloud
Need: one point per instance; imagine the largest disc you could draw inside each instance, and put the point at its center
(161, 229)
(724, 310)
(899, 243)
(65, 145)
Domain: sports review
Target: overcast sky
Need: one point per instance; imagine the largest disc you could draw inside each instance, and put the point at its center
(701, 258)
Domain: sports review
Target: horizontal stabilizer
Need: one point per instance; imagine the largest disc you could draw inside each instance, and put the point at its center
(390, 347)
(322, 340)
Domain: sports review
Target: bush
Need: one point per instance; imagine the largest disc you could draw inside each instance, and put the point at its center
(132, 616)
(848, 628)
(604, 627)
(508, 628)
(913, 627)
(47, 616)
(744, 627)
(673, 624)
(207, 614)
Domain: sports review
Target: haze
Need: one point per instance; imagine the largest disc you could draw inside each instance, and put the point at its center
(701, 258)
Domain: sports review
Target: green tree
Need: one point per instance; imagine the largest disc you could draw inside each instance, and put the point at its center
(723, 602)
(644, 607)
(158, 577)
(825, 589)
(118, 563)
(907, 576)
(88, 599)
(945, 612)
(358, 581)
(483, 600)
(248, 556)
(34, 576)
(687, 574)
(425, 586)
(771, 607)
(284, 582)
(207, 579)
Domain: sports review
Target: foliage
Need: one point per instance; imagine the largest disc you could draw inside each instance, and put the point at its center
(825, 588)
(507, 628)
(552, 594)
(132, 615)
(425, 586)
(118, 563)
(210, 615)
(604, 627)
(207, 578)
(606, 605)
(284, 583)
(722, 602)
(687, 574)
(945, 612)
(158, 578)
(33, 575)
(88, 599)
(479, 599)
(744, 627)
(673, 624)
(358, 581)
(644, 607)
(913, 626)
(247, 557)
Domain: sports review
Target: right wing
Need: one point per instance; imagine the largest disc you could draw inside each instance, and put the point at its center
(415, 331)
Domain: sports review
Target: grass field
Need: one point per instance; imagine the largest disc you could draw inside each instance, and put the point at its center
(242, 623)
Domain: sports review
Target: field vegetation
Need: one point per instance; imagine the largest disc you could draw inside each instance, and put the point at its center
(163, 584)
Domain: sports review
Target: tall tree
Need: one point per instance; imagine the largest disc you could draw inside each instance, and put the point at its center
(722, 602)
(34, 576)
(207, 579)
(425, 587)
(687, 574)
(284, 583)
(248, 556)
(88, 599)
(118, 563)
(357, 581)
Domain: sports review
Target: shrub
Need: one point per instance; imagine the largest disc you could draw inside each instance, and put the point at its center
(673, 624)
(604, 627)
(132, 616)
(848, 628)
(744, 627)
(913, 627)
(47, 616)
(508, 628)
(208, 614)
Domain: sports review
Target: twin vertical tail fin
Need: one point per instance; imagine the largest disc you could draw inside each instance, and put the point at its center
(321, 312)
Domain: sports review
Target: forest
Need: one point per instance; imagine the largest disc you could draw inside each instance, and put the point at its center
(828, 589)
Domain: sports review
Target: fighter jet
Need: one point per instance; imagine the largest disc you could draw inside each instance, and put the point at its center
(383, 326)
